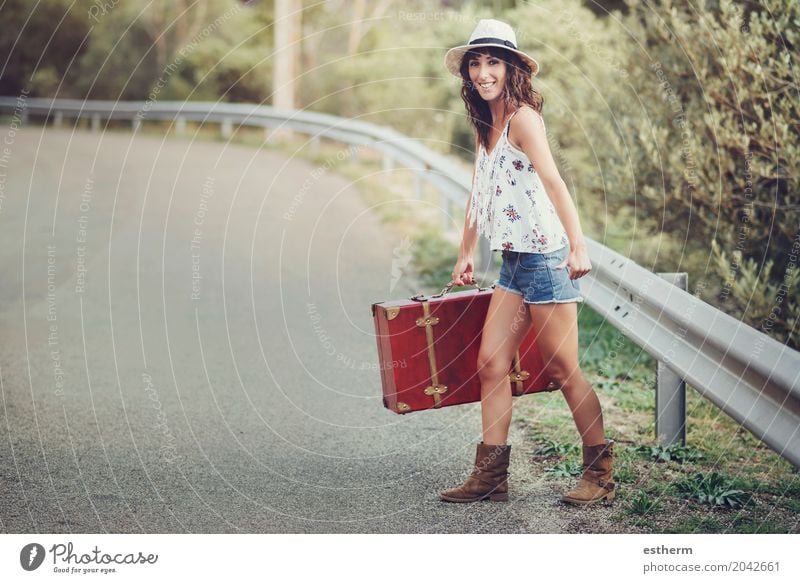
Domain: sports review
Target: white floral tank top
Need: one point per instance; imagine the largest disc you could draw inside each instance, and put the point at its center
(509, 202)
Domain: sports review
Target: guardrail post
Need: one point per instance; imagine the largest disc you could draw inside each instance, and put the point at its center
(314, 145)
(180, 125)
(58, 119)
(671, 389)
(227, 128)
(95, 122)
(388, 163)
(136, 123)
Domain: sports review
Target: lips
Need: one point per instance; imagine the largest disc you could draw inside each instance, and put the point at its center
(485, 86)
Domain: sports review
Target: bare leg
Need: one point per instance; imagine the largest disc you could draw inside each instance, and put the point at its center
(507, 323)
(557, 338)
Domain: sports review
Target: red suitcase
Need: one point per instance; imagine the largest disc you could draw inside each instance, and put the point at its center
(428, 351)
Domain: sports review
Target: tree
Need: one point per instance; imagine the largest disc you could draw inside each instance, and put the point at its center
(170, 25)
(39, 42)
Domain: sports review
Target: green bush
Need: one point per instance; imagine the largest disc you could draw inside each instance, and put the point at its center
(705, 161)
(752, 292)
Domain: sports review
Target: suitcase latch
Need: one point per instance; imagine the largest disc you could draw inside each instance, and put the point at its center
(438, 389)
(427, 321)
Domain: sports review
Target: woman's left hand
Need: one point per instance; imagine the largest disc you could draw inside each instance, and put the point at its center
(578, 262)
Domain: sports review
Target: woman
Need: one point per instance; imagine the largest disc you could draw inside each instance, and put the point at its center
(521, 204)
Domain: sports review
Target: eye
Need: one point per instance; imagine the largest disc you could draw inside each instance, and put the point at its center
(493, 61)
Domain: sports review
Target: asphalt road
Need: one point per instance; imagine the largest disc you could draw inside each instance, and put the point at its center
(187, 346)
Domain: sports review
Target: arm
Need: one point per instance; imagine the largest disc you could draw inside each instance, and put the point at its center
(465, 266)
(470, 237)
(529, 131)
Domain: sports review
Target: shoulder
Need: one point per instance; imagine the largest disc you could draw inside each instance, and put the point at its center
(527, 118)
(527, 126)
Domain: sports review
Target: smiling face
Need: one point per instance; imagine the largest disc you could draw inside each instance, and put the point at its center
(488, 75)
(493, 79)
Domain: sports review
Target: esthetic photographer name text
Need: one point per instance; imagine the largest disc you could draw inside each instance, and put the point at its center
(665, 550)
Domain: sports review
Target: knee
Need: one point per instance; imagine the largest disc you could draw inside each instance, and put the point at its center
(492, 367)
(564, 375)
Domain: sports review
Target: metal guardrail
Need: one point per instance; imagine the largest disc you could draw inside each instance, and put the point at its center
(751, 377)
(397, 149)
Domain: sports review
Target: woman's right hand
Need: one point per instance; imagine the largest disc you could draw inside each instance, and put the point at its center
(463, 270)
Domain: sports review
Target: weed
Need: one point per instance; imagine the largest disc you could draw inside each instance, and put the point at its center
(713, 489)
(642, 503)
(791, 504)
(664, 453)
(625, 473)
(566, 469)
(551, 448)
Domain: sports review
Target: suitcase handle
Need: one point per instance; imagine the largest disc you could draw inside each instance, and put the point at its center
(419, 297)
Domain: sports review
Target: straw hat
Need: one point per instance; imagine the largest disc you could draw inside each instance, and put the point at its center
(488, 33)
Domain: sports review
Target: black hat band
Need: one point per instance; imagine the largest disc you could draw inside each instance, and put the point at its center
(492, 40)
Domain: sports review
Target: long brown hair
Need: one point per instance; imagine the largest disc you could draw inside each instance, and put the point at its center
(518, 90)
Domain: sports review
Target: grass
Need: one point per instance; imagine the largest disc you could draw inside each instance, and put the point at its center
(551, 448)
(625, 473)
(697, 523)
(723, 481)
(693, 524)
(565, 469)
(664, 453)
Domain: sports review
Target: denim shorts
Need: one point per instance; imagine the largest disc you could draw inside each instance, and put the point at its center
(534, 276)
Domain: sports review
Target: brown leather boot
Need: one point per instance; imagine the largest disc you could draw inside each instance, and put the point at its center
(489, 478)
(596, 482)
